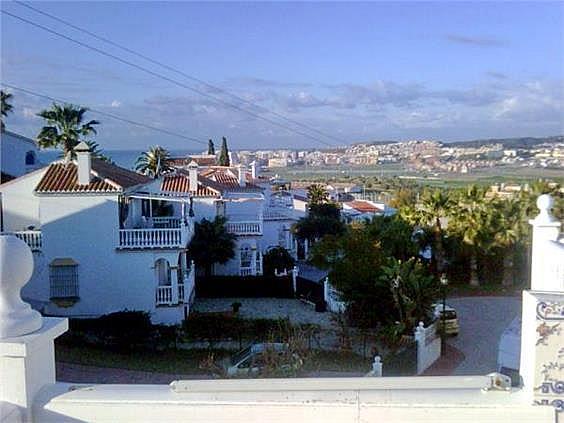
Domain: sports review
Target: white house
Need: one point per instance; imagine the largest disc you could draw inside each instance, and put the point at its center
(259, 217)
(360, 210)
(101, 243)
(18, 155)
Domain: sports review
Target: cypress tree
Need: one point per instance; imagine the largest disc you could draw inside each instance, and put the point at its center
(224, 153)
(211, 147)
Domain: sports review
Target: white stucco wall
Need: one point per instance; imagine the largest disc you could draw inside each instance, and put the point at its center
(85, 228)
(13, 149)
(20, 207)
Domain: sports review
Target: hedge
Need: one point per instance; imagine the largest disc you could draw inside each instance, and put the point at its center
(244, 286)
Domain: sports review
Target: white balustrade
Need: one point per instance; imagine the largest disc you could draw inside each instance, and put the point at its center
(31, 238)
(278, 214)
(152, 238)
(246, 271)
(164, 295)
(163, 222)
(245, 228)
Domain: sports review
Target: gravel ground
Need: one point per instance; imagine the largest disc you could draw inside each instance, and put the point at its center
(271, 308)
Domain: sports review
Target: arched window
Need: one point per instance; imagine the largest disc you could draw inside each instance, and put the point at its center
(162, 271)
(30, 158)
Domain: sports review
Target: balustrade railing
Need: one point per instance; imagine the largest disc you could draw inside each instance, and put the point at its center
(180, 292)
(32, 238)
(166, 222)
(154, 237)
(163, 295)
(245, 228)
(278, 214)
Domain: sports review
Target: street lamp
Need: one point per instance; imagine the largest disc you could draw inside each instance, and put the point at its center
(444, 284)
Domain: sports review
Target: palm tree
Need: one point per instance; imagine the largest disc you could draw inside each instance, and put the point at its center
(212, 243)
(65, 128)
(154, 162)
(474, 222)
(5, 106)
(509, 231)
(317, 194)
(433, 208)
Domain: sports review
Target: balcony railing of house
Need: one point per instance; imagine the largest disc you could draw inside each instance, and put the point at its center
(156, 237)
(246, 271)
(278, 214)
(245, 228)
(32, 238)
(164, 295)
(167, 222)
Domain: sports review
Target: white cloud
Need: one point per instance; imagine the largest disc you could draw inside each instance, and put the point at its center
(115, 104)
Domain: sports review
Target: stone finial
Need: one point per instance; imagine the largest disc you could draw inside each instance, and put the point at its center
(16, 267)
(544, 204)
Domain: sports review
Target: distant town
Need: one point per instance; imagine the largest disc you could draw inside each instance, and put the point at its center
(422, 155)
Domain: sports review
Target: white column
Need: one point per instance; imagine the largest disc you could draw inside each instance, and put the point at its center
(542, 334)
(174, 283)
(27, 356)
(253, 260)
(545, 228)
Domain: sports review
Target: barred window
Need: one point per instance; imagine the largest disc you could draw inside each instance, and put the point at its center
(63, 278)
(246, 256)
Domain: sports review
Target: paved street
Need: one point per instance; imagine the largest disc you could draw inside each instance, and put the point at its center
(482, 321)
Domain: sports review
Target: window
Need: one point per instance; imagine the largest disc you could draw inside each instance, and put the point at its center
(246, 256)
(30, 158)
(163, 272)
(63, 278)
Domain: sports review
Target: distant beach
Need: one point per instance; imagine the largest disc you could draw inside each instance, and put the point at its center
(123, 158)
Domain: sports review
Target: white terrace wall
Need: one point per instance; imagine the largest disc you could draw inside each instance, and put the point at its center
(20, 207)
(85, 229)
(542, 332)
(428, 346)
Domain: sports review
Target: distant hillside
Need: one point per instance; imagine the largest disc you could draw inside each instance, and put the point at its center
(525, 142)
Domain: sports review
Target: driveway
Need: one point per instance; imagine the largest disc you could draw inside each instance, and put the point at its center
(482, 321)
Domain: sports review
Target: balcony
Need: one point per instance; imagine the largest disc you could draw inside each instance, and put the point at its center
(278, 214)
(32, 238)
(245, 228)
(157, 237)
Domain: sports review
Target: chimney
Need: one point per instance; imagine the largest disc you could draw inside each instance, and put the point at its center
(193, 175)
(254, 170)
(84, 164)
(242, 181)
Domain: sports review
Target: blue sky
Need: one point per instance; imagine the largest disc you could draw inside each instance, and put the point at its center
(358, 71)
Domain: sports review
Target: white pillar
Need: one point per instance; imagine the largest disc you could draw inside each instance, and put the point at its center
(542, 334)
(253, 260)
(174, 283)
(545, 228)
(27, 356)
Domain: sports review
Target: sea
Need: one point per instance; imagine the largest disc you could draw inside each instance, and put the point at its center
(123, 158)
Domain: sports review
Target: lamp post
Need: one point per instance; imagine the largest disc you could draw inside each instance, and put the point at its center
(444, 284)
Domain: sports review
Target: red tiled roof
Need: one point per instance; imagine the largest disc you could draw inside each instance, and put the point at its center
(226, 180)
(363, 206)
(181, 183)
(106, 177)
(201, 161)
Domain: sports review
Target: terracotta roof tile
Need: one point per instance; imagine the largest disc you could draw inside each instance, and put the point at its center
(106, 177)
(181, 183)
(364, 206)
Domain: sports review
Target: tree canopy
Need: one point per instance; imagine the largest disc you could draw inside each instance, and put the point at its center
(5, 106)
(224, 153)
(65, 129)
(153, 162)
(212, 243)
(211, 147)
